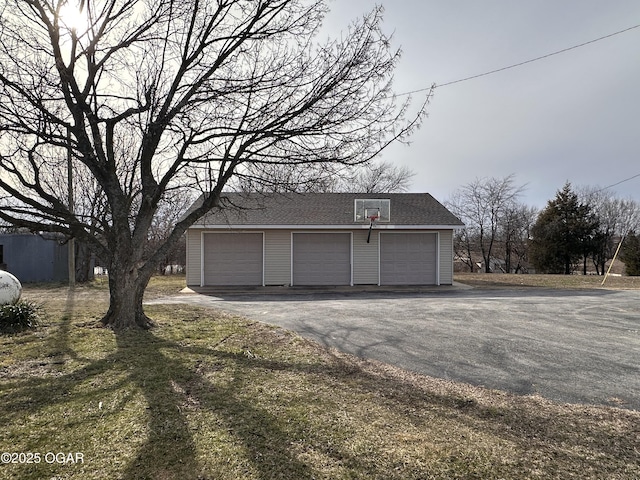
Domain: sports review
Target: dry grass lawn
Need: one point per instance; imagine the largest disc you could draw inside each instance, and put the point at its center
(491, 280)
(207, 395)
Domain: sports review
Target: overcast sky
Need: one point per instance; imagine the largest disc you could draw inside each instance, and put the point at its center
(573, 116)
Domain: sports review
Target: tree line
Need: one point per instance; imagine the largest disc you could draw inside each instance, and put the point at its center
(579, 230)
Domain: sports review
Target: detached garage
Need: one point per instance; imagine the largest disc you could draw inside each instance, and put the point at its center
(322, 239)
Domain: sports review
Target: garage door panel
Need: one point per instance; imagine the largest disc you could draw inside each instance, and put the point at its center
(408, 259)
(233, 258)
(321, 259)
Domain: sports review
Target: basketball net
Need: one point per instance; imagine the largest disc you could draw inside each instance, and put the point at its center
(372, 220)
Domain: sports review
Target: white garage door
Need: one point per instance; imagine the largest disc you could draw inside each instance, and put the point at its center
(321, 259)
(232, 258)
(408, 258)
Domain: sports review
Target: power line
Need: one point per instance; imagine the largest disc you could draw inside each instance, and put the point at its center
(521, 63)
(618, 183)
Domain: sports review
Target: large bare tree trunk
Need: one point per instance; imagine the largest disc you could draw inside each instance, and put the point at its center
(126, 292)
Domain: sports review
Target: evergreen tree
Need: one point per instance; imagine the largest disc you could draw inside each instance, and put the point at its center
(630, 254)
(563, 233)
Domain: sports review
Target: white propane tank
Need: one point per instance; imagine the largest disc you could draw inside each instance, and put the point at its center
(10, 288)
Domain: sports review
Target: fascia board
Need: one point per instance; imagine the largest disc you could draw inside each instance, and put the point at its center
(327, 227)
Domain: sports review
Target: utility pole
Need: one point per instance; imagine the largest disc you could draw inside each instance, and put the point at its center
(72, 242)
(614, 259)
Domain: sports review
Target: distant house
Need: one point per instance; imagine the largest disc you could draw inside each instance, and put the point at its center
(34, 258)
(323, 239)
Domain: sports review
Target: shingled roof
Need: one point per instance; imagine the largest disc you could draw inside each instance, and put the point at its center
(318, 209)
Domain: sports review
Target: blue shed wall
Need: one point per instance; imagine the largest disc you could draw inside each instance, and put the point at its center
(32, 258)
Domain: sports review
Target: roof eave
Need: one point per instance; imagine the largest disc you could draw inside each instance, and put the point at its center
(357, 226)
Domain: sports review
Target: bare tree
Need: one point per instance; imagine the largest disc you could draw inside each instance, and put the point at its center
(465, 247)
(514, 232)
(616, 218)
(381, 177)
(481, 205)
(374, 177)
(168, 215)
(465, 240)
(279, 178)
(153, 99)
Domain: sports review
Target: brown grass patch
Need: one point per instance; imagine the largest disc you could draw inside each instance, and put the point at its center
(493, 280)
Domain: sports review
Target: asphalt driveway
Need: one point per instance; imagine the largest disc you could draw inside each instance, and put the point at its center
(567, 346)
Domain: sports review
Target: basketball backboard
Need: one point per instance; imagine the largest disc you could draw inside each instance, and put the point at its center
(365, 208)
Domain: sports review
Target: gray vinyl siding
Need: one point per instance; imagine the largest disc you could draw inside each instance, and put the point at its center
(446, 257)
(277, 256)
(194, 257)
(277, 264)
(365, 258)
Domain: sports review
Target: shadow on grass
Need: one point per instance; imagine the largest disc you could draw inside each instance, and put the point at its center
(177, 388)
(172, 390)
(168, 384)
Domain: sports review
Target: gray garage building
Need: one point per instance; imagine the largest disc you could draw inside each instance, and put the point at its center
(323, 239)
